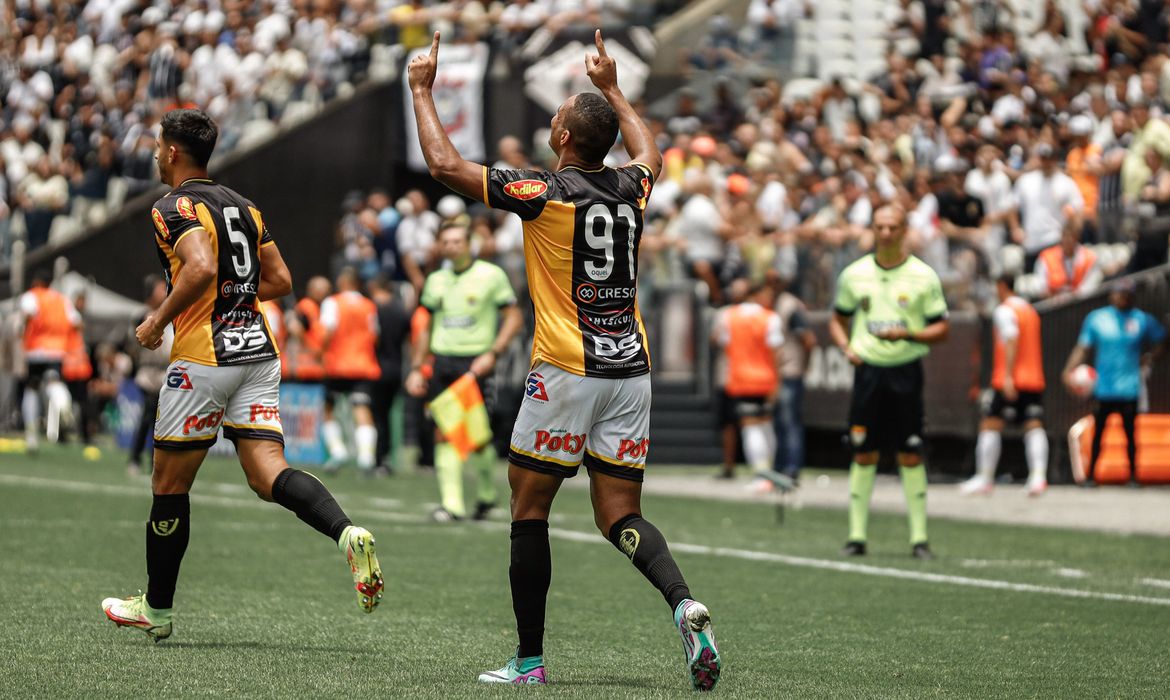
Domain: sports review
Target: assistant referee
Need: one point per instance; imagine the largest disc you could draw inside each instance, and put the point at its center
(889, 310)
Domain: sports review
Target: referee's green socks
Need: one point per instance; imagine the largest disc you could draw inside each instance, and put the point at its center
(861, 478)
(914, 486)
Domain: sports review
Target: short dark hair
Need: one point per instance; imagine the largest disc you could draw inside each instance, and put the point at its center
(1007, 279)
(193, 130)
(593, 125)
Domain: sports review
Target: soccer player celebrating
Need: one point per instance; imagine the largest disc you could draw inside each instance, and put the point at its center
(1016, 394)
(897, 309)
(588, 394)
(220, 261)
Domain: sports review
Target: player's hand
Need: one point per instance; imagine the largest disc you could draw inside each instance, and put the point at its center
(601, 69)
(852, 357)
(420, 72)
(483, 365)
(416, 384)
(149, 333)
(893, 334)
(1009, 391)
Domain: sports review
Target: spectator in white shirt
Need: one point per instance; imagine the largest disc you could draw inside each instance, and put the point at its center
(1045, 201)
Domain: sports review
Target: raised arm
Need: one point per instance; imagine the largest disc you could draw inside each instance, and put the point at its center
(636, 137)
(444, 162)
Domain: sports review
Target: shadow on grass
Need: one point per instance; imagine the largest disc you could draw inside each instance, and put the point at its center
(612, 682)
(254, 644)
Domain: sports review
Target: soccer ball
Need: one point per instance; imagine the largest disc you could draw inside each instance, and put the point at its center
(1082, 380)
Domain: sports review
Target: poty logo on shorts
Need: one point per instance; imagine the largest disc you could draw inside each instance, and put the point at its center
(535, 389)
(573, 444)
(177, 379)
(208, 422)
(634, 449)
(525, 189)
(262, 412)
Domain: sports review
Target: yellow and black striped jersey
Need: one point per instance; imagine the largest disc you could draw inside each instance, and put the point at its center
(224, 326)
(582, 230)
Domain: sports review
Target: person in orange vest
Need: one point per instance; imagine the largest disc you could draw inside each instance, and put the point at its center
(274, 316)
(1016, 393)
(1068, 266)
(306, 334)
(47, 318)
(350, 323)
(76, 370)
(750, 335)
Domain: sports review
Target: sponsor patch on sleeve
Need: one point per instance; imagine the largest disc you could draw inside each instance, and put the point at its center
(525, 189)
(160, 225)
(185, 208)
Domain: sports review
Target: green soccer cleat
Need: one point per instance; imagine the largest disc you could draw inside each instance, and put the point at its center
(363, 562)
(694, 626)
(526, 671)
(135, 612)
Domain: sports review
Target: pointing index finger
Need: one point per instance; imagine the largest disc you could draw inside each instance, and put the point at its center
(435, 46)
(600, 44)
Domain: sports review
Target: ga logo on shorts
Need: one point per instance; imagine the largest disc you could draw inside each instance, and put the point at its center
(535, 389)
(177, 379)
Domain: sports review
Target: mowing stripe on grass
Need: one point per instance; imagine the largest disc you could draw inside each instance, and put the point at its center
(594, 538)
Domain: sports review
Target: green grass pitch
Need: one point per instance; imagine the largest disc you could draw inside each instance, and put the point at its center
(265, 609)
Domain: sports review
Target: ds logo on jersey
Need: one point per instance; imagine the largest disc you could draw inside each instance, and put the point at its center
(177, 379)
(525, 189)
(185, 208)
(535, 389)
(616, 349)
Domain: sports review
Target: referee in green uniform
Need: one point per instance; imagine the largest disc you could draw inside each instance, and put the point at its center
(895, 305)
(474, 317)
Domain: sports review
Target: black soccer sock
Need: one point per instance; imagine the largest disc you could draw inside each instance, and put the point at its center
(307, 497)
(167, 535)
(646, 548)
(530, 574)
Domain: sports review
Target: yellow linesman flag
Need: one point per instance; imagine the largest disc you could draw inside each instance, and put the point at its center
(461, 416)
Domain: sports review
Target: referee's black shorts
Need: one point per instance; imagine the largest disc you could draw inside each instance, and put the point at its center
(886, 409)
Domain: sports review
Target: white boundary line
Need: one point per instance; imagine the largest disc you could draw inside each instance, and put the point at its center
(594, 538)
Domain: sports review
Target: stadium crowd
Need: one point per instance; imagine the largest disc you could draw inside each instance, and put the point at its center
(999, 146)
(84, 83)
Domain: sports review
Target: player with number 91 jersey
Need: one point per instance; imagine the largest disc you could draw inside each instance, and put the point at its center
(581, 235)
(224, 326)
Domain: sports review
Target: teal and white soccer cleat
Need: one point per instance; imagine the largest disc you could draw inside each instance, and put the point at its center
(694, 626)
(526, 671)
(363, 562)
(135, 612)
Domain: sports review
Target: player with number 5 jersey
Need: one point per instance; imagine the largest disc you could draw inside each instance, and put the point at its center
(587, 397)
(220, 263)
